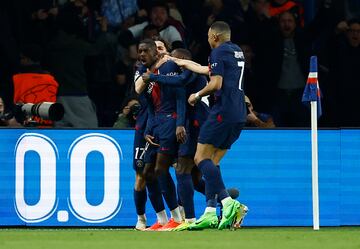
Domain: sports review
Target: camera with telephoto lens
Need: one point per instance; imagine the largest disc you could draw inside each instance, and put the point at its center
(44, 110)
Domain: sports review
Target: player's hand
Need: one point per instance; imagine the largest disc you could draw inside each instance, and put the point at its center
(146, 76)
(192, 99)
(181, 134)
(150, 140)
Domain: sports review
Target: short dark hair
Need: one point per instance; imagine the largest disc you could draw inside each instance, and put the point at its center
(151, 43)
(221, 26)
(159, 3)
(166, 43)
(352, 21)
(184, 52)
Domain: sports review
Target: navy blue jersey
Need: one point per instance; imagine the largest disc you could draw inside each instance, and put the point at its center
(200, 111)
(194, 83)
(164, 99)
(142, 116)
(227, 61)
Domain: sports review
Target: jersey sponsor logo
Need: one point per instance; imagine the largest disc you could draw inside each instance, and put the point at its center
(172, 74)
(213, 65)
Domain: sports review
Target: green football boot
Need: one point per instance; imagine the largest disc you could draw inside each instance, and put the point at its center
(230, 210)
(239, 217)
(207, 220)
(184, 226)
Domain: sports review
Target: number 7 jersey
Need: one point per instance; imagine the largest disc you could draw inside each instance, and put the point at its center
(228, 61)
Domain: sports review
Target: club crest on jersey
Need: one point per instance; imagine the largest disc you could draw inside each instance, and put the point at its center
(139, 164)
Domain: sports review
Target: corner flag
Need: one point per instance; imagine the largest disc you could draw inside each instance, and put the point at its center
(312, 90)
(312, 95)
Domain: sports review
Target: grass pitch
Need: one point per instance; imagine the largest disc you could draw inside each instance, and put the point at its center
(254, 238)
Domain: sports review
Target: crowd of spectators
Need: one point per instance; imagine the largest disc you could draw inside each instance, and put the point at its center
(89, 47)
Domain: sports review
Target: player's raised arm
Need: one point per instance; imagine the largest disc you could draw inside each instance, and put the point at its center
(191, 65)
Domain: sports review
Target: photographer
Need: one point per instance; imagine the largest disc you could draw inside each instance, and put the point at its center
(6, 119)
(33, 84)
(126, 118)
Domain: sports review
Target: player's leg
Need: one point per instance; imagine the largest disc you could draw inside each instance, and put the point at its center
(198, 180)
(140, 200)
(186, 189)
(184, 169)
(213, 180)
(218, 155)
(167, 186)
(204, 153)
(154, 193)
(140, 183)
(232, 210)
(153, 187)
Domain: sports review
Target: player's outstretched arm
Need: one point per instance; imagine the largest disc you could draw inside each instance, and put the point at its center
(177, 80)
(214, 85)
(190, 65)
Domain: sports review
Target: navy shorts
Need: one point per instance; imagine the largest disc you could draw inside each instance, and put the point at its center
(219, 133)
(139, 151)
(189, 147)
(164, 131)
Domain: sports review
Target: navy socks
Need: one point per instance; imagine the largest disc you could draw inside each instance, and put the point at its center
(186, 194)
(214, 185)
(140, 201)
(168, 189)
(155, 195)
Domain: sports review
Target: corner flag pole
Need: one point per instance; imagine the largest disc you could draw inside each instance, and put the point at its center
(312, 95)
(314, 165)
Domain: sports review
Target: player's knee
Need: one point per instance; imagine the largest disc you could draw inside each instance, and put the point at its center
(140, 182)
(184, 166)
(148, 173)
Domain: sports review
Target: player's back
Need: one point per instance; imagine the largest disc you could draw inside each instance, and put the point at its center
(228, 61)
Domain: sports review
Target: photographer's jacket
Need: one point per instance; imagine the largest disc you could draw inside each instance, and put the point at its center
(35, 86)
